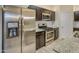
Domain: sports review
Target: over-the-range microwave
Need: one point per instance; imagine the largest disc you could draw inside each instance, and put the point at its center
(46, 16)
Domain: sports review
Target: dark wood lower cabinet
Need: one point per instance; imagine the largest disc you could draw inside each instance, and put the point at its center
(40, 39)
(56, 33)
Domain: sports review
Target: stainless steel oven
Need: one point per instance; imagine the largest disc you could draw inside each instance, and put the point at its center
(49, 35)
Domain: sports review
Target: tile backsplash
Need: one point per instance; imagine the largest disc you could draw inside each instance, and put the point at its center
(76, 24)
(48, 23)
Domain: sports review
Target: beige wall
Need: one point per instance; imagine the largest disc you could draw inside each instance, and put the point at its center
(64, 18)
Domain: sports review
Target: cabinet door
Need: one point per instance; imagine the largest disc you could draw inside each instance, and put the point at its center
(53, 16)
(42, 40)
(37, 42)
(38, 14)
(56, 33)
(76, 16)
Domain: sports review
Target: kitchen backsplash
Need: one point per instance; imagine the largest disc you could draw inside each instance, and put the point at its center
(76, 24)
(51, 23)
(48, 23)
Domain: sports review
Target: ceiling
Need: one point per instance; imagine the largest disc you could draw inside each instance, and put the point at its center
(53, 7)
(49, 7)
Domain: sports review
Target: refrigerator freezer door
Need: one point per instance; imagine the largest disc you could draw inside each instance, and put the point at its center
(11, 15)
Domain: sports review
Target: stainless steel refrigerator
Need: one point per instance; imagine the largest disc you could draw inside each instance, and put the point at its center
(19, 30)
(0, 28)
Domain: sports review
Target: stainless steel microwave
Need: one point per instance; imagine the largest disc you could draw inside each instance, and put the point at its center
(46, 16)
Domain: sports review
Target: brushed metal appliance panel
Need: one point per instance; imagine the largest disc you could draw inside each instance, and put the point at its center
(28, 27)
(0, 29)
(11, 45)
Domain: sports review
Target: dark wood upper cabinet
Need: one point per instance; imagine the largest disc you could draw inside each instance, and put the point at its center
(39, 12)
(53, 16)
(76, 16)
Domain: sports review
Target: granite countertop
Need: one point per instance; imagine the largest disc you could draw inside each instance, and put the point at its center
(39, 30)
(44, 29)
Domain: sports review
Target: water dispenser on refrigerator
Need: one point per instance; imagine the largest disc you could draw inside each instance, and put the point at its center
(12, 28)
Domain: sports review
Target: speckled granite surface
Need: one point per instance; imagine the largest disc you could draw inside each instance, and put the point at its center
(67, 46)
(62, 46)
(48, 49)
